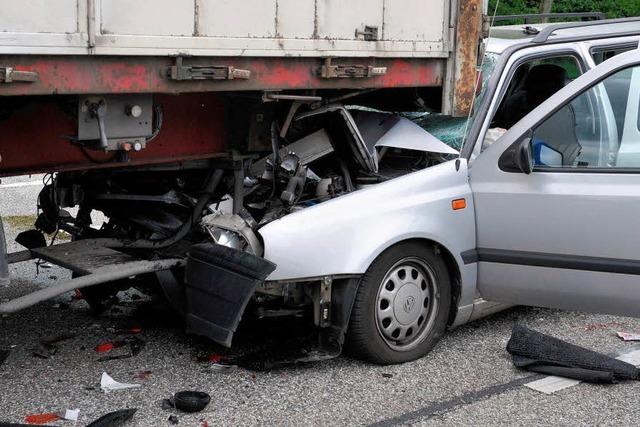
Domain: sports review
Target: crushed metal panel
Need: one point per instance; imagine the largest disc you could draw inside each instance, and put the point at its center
(400, 25)
(146, 17)
(408, 135)
(388, 130)
(238, 18)
(364, 155)
(335, 21)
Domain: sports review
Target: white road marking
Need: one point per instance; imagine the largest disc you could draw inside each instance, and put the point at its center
(551, 384)
(22, 184)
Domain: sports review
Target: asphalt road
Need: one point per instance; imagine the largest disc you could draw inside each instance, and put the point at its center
(467, 380)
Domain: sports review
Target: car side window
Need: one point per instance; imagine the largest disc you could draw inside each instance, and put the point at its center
(531, 84)
(597, 129)
(601, 54)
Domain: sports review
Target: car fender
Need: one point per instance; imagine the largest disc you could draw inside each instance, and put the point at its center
(344, 235)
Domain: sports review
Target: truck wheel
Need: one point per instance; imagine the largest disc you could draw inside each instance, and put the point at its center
(402, 305)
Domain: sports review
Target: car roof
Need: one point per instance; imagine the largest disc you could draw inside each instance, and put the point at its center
(502, 37)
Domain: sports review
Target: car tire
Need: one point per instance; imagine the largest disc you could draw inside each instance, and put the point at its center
(402, 305)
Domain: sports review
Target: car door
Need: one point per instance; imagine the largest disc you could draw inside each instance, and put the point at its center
(557, 199)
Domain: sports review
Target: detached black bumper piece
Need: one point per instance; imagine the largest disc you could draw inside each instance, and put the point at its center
(219, 283)
(544, 354)
(4, 269)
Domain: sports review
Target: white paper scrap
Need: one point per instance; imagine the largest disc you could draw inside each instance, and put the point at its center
(108, 384)
(71, 414)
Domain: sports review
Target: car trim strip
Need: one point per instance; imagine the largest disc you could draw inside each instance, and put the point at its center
(552, 260)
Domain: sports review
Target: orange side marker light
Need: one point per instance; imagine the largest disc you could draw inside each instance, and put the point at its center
(458, 204)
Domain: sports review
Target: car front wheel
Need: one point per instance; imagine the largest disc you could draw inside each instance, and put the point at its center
(402, 305)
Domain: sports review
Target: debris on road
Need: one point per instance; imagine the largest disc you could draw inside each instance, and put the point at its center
(173, 419)
(71, 414)
(386, 375)
(135, 347)
(4, 354)
(191, 401)
(105, 347)
(39, 419)
(114, 419)
(537, 352)
(48, 417)
(108, 384)
(142, 375)
(628, 336)
(599, 326)
(47, 346)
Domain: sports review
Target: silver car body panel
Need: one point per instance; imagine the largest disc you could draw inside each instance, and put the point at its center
(576, 217)
(344, 235)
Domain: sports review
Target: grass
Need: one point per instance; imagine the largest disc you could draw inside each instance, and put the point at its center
(26, 222)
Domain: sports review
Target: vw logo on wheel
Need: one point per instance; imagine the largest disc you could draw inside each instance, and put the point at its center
(408, 304)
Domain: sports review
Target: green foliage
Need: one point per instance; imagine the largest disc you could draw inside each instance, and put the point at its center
(613, 8)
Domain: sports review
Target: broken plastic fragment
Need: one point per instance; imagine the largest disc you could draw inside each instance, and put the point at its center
(191, 401)
(38, 419)
(113, 419)
(105, 347)
(628, 336)
(108, 384)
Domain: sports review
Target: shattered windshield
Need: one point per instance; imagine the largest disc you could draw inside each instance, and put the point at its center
(448, 129)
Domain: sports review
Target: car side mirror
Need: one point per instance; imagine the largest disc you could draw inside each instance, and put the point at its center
(519, 156)
(523, 156)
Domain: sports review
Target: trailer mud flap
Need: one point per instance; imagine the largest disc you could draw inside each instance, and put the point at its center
(219, 283)
(4, 269)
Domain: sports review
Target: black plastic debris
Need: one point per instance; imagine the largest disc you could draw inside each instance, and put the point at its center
(191, 401)
(537, 352)
(4, 354)
(48, 346)
(31, 239)
(173, 419)
(219, 283)
(114, 419)
(167, 404)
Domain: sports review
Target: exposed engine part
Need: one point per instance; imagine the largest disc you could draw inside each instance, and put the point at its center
(331, 187)
(232, 231)
(294, 186)
(308, 149)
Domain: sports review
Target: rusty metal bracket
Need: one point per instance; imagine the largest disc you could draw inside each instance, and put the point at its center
(11, 75)
(205, 72)
(331, 71)
(370, 33)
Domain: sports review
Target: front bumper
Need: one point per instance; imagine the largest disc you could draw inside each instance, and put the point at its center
(4, 269)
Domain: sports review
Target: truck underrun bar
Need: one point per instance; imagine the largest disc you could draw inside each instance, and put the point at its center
(70, 75)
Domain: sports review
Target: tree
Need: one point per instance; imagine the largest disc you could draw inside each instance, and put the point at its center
(612, 8)
(545, 7)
